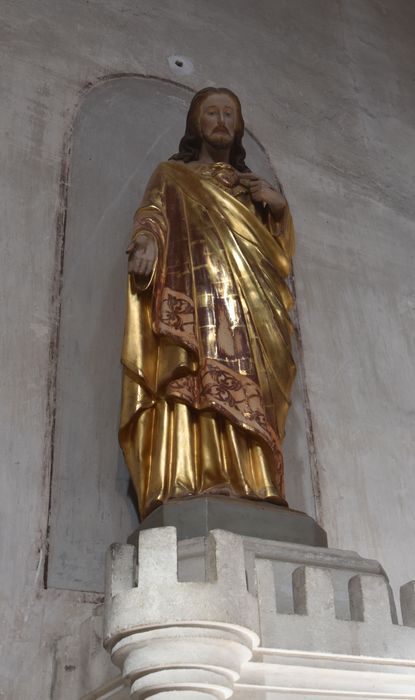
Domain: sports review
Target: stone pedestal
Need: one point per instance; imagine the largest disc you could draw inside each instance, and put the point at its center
(172, 639)
(196, 517)
(230, 616)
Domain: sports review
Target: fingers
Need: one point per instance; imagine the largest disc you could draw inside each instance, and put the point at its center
(133, 265)
(256, 196)
(249, 176)
(144, 267)
(258, 191)
(140, 266)
(249, 182)
(142, 255)
(142, 243)
(256, 185)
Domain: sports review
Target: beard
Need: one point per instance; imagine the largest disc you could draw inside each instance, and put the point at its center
(220, 139)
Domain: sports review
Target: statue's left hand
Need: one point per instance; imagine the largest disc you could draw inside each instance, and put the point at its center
(261, 191)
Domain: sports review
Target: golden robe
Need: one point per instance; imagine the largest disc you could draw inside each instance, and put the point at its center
(207, 360)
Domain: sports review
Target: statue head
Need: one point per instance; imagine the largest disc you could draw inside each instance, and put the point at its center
(197, 129)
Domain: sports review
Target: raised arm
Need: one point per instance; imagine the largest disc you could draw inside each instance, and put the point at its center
(261, 191)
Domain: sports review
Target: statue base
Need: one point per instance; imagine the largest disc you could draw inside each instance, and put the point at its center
(196, 516)
(231, 616)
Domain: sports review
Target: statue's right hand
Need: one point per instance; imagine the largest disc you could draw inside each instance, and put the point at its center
(142, 256)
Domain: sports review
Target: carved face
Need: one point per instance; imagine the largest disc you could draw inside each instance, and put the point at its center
(217, 121)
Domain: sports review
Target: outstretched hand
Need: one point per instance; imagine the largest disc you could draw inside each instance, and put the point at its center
(142, 255)
(261, 191)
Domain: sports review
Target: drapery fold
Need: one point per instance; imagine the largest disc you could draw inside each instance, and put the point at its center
(207, 357)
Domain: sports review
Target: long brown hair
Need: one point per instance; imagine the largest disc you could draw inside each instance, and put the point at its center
(189, 146)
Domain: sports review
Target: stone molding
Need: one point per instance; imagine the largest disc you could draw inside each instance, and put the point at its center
(228, 616)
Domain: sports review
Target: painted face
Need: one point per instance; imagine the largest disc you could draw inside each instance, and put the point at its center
(218, 115)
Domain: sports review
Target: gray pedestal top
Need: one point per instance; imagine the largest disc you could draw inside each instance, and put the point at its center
(197, 516)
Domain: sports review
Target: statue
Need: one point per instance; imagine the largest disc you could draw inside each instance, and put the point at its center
(207, 362)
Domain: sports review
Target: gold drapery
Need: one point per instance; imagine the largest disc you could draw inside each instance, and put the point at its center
(207, 360)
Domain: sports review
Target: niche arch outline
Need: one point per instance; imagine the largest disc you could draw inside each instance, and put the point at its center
(68, 167)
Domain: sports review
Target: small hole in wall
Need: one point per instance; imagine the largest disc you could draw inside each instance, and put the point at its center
(180, 65)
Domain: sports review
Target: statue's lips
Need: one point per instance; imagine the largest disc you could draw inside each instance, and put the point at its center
(220, 130)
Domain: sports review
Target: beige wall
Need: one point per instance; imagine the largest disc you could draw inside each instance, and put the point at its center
(327, 87)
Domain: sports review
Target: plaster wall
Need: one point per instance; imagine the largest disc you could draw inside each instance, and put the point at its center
(327, 88)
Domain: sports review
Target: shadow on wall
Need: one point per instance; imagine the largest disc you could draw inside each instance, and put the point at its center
(124, 128)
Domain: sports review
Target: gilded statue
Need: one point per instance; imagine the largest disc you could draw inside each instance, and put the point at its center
(207, 363)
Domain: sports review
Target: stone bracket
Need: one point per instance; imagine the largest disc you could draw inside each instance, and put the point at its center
(214, 638)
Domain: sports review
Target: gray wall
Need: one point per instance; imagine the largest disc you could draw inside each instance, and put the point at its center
(327, 88)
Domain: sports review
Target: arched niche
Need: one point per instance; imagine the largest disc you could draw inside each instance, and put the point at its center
(124, 127)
